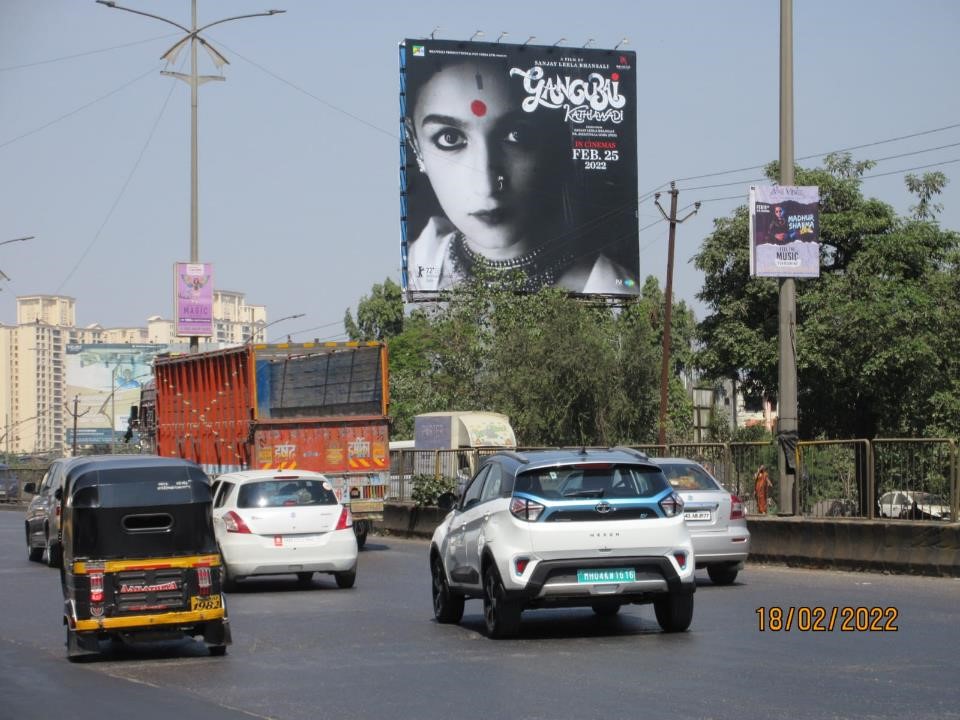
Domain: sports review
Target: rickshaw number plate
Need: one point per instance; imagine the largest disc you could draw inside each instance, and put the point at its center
(205, 603)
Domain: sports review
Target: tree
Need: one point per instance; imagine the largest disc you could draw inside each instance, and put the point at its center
(379, 314)
(925, 188)
(873, 332)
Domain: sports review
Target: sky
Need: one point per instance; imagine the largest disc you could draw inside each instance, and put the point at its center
(299, 147)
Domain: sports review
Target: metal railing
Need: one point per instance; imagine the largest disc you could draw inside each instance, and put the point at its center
(888, 478)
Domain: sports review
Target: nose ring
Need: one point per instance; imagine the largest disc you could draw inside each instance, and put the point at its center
(499, 182)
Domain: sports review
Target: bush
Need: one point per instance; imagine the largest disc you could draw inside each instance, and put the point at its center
(427, 488)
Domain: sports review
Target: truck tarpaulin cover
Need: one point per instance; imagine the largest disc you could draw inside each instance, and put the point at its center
(519, 160)
(348, 382)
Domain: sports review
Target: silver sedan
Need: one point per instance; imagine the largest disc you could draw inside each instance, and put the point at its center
(714, 516)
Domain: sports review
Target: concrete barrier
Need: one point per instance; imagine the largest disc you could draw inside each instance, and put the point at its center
(897, 546)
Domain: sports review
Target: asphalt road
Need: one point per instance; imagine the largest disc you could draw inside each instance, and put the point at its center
(375, 652)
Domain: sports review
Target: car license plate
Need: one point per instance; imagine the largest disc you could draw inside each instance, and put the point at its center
(697, 515)
(606, 575)
(205, 603)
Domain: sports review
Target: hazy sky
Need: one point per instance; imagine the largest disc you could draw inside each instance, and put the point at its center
(299, 203)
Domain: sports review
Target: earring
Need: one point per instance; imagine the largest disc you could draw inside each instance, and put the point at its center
(420, 165)
(500, 179)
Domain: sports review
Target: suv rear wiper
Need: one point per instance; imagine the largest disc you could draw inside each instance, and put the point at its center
(584, 493)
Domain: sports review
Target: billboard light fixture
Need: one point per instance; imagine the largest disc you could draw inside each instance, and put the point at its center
(478, 33)
(502, 35)
(559, 41)
(532, 37)
(623, 41)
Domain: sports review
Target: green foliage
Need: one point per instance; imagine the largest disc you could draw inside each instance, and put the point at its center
(427, 488)
(566, 371)
(876, 334)
(379, 315)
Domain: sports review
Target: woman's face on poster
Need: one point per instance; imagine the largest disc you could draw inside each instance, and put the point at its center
(481, 155)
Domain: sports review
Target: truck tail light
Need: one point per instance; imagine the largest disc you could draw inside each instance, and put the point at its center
(736, 508)
(524, 509)
(672, 505)
(234, 523)
(204, 580)
(96, 587)
(345, 521)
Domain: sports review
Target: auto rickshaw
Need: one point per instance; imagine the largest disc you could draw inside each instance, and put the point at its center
(140, 561)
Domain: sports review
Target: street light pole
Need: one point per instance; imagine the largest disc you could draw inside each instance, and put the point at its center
(194, 81)
(278, 320)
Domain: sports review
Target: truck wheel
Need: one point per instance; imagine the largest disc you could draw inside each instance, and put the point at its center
(447, 607)
(501, 616)
(345, 579)
(674, 611)
(361, 528)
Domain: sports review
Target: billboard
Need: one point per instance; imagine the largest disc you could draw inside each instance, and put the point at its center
(519, 161)
(106, 380)
(193, 290)
(784, 231)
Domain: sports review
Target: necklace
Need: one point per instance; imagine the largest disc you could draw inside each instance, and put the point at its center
(537, 266)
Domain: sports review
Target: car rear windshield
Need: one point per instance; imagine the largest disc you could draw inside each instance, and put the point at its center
(286, 493)
(688, 476)
(607, 480)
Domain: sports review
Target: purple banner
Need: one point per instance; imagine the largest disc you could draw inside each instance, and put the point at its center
(194, 294)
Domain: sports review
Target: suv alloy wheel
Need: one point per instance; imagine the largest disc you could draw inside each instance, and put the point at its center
(447, 607)
(502, 616)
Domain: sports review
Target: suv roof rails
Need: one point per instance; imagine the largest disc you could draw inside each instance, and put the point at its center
(631, 451)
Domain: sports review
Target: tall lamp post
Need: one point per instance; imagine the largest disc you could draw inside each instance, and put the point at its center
(194, 81)
(279, 320)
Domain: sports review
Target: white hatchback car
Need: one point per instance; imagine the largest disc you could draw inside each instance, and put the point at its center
(270, 522)
(564, 528)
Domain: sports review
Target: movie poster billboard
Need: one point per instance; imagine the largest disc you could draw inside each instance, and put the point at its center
(193, 284)
(784, 231)
(106, 380)
(518, 161)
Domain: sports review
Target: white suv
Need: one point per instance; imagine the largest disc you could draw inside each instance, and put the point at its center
(564, 528)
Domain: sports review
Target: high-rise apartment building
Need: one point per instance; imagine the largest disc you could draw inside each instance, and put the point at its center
(33, 412)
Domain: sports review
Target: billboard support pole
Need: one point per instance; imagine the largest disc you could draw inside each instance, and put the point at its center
(668, 303)
(787, 410)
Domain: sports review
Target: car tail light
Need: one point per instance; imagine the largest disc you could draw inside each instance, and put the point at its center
(96, 587)
(345, 521)
(204, 580)
(681, 558)
(736, 508)
(672, 505)
(524, 509)
(521, 564)
(234, 523)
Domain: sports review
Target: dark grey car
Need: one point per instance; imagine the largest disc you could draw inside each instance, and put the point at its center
(42, 522)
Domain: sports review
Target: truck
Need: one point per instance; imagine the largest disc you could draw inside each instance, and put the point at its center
(449, 444)
(285, 406)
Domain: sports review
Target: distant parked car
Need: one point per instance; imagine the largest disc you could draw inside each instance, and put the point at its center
(714, 516)
(9, 485)
(913, 505)
(270, 522)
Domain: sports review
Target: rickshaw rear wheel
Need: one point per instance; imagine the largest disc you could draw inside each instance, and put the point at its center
(34, 554)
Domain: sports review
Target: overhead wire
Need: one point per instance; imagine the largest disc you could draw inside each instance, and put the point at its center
(76, 110)
(120, 194)
(86, 53)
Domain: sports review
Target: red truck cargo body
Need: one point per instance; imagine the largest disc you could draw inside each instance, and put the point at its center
(310, 406)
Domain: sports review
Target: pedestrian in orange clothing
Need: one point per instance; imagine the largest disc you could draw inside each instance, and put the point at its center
(761, 486)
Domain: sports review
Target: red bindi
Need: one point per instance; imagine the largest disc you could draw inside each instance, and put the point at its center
(615, 76)
(478, 108)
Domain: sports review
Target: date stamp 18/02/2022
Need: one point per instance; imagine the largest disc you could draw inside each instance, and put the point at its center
(827, 619)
